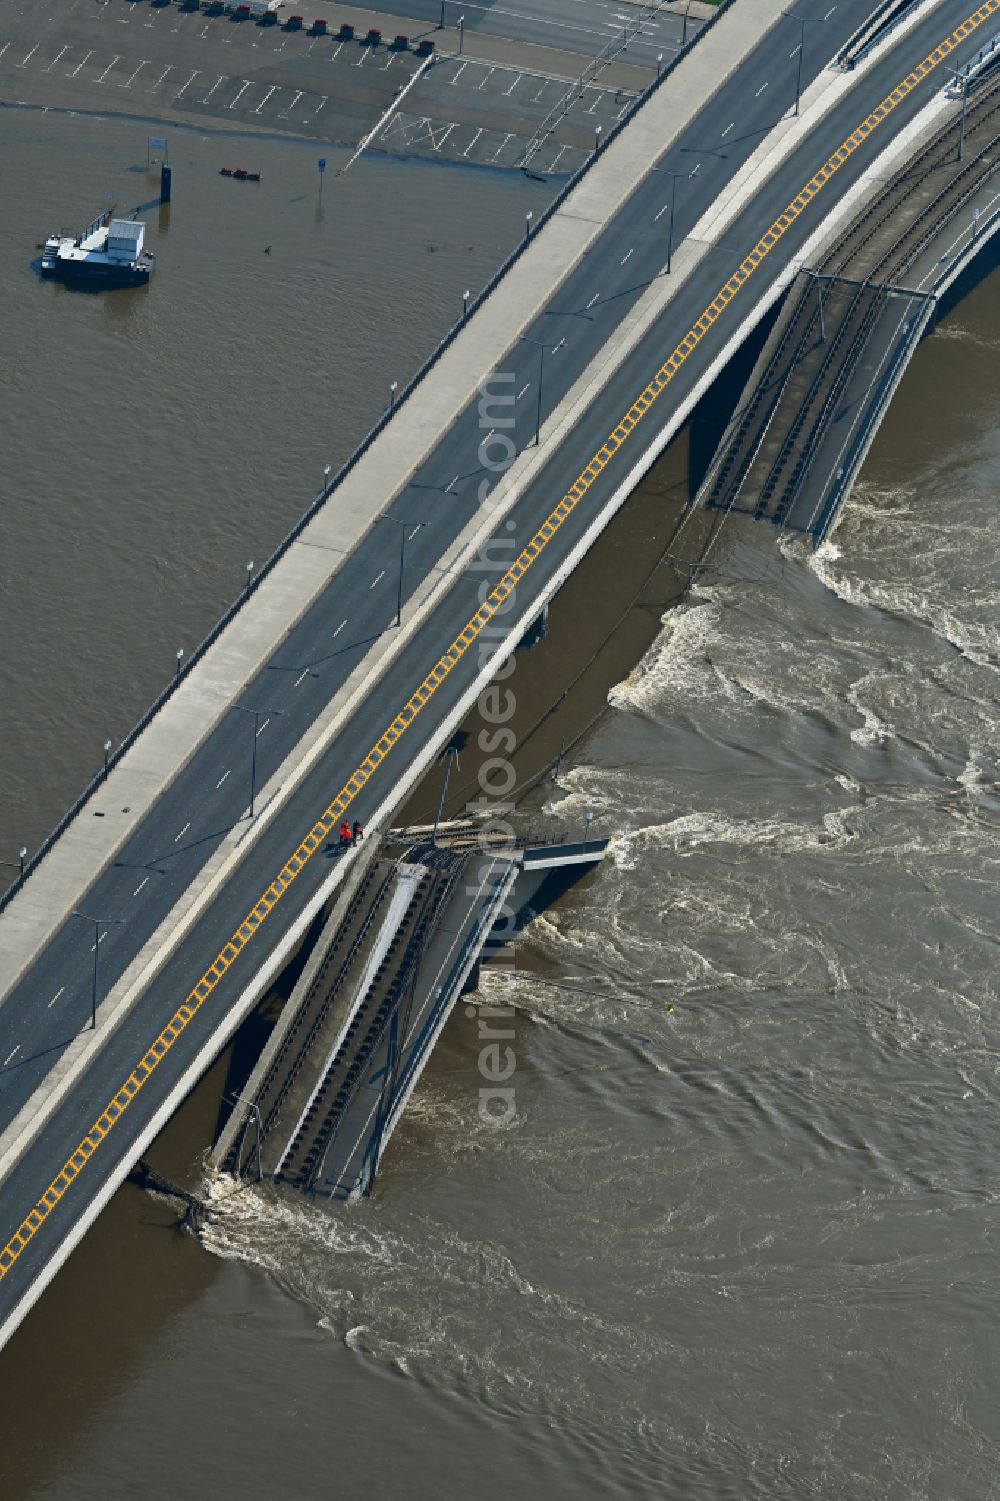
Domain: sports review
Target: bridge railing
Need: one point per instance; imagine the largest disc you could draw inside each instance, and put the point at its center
(97, 781)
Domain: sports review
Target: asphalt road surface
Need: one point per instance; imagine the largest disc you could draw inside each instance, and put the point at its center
(53, 1000)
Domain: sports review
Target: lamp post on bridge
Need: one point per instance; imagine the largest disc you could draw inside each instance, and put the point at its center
(526, 339)
(674, 176)
(803, 21)
(963, 81)
(244, 709)
(99, 923)
(22, 855)
(416, 525)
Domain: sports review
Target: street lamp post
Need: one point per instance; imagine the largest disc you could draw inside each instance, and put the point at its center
(963, 82)
(180, 658)
(326, 477)
(674, 176)
(21, 856)
(249, 578)
(526, 338)
(659, 63)
(527, 225)
(597, 138)
(244, 709)
(684, 33)
(803, 21)
(107, 752)
(416, 525)
(393, 388)
(99, 923)
(465, 305)
(461, 35)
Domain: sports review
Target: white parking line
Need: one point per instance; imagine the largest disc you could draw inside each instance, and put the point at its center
(141, 884)
(413, 534)
(221, 79)
(3, 49)
(458, 75)
(79, 66)
(55, 997)
(507, 92)
(265, 98)
(183, 831)
(324, 101)
(486, 79)
(239, 96)
(56, 59)
(439, 144)
(30, 55)
(108, 69)
(378, 580)
(168, 69)
(475, 138)
(191, 80)
(285, 113)
(128, 83)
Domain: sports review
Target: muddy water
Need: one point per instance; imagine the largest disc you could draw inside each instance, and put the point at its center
(743, 1247)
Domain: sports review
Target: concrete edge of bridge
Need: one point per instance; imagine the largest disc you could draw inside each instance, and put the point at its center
(273, 796)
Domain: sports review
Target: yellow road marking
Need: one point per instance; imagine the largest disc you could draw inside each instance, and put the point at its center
(325, 825)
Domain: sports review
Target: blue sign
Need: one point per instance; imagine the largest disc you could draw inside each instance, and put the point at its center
(322, 164)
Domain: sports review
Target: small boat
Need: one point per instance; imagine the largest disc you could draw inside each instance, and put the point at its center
(109, 253)
(240, 173)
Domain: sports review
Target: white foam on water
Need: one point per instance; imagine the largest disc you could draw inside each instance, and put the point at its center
(959, 622)
(678, 659)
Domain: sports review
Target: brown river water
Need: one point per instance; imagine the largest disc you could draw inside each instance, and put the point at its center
(744, 1247)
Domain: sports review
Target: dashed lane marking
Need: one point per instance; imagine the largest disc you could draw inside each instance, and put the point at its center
(495, 602)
